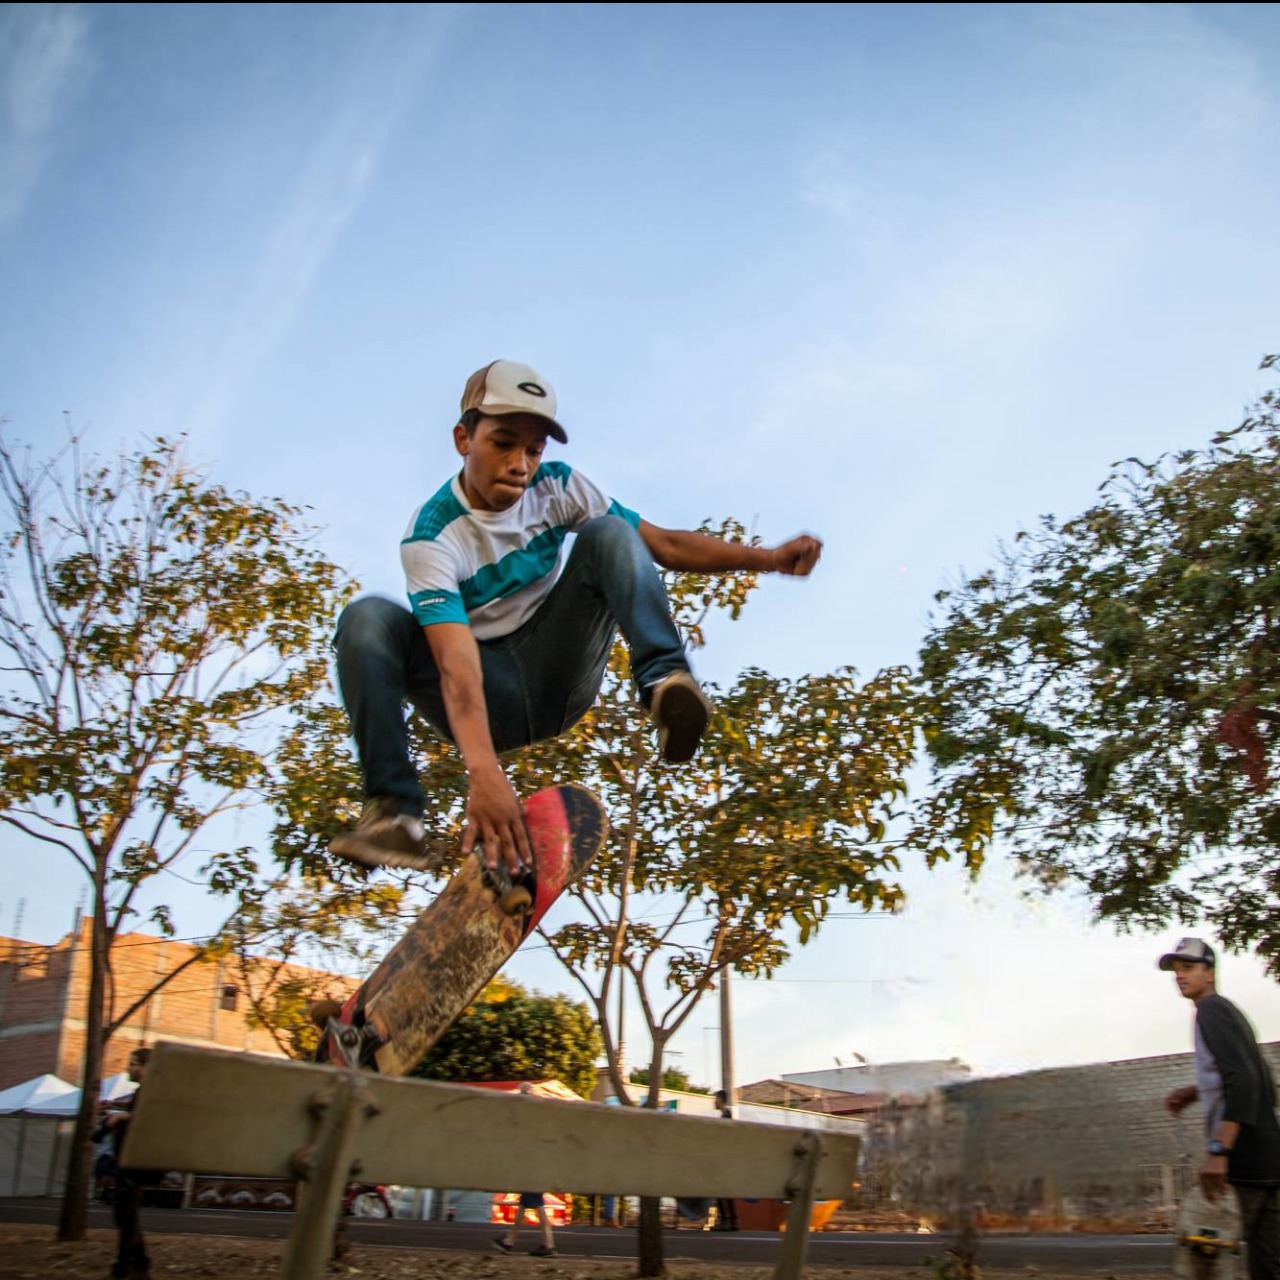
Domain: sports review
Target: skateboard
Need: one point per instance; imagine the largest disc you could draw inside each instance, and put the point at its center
(1208, 1236)
(461, 940)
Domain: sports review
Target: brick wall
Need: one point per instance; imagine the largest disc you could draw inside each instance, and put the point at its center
(1085, 1147)
(44, 991)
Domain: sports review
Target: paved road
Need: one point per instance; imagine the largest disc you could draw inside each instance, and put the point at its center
(1112, 1254)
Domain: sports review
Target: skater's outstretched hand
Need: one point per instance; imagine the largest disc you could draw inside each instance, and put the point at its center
(798, 556)
(494, 818)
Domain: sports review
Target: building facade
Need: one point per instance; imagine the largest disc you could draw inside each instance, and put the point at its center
(180, 995)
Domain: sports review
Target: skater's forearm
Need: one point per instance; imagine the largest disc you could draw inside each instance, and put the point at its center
(470, 729)
(689, 552)
(494, 818)
(457, 658)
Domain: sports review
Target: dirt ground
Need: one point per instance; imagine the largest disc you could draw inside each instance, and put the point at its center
(32, 1253)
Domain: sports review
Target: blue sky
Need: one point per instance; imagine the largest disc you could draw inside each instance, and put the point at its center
(903, 276)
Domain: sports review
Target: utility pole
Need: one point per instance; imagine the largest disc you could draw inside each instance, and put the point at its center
(622, 1044)
(726, 1041)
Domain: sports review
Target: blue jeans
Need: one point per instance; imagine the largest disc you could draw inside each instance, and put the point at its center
(538, 681)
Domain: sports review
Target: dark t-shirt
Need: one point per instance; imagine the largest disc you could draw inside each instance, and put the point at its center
(1248, 1091)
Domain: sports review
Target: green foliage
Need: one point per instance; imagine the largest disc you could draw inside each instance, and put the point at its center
(672, 1078)
(1106, 698)
(510, 1034)
(155, 626)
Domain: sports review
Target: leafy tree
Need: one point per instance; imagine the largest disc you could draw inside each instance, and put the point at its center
(511, 1034)
(1106, 698)
(152, 626)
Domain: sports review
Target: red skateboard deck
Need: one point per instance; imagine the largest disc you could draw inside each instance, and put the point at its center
(462, 940)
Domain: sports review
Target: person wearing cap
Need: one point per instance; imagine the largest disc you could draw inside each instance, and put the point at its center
(508, 631)
(1237, 1096)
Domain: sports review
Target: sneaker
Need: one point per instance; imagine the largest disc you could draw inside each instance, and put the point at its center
(385, 837)
(541, 1252)
(499, 1243)
(681, 711)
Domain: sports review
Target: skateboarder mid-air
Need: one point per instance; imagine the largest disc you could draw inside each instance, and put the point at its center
(508, 634)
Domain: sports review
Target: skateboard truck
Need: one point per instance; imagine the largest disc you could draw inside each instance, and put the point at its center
(348, 1041)
(514, 893)
(353, 1043)
(356, 1045)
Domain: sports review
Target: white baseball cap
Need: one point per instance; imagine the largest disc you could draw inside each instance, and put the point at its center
(507, 386)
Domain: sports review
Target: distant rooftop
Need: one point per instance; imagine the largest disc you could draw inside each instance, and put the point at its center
(889, 1079)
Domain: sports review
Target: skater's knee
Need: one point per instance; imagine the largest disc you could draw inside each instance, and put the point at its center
(608, 527)
(372, 618)
(610, 534)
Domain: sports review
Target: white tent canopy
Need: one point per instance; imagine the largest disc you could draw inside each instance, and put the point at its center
(46, 1095)
(35, 1132)
(116, 1086)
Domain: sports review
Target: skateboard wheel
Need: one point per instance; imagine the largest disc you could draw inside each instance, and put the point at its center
(515, 899)
(322, 1010)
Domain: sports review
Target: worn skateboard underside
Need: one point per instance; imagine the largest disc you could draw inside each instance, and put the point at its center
(1208, 1236)
(463, 938)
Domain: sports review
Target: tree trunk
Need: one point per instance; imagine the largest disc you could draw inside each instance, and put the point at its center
(74, 1216)
(652, 1258)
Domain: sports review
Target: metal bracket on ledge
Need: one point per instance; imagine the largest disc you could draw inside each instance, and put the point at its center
(804, 1172)
(324, 1167)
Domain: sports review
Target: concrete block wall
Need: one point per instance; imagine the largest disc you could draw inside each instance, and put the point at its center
(1086, 1147)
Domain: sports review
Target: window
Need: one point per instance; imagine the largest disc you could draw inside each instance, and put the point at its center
(229, 997)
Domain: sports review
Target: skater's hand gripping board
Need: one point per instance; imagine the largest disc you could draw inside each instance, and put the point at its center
(464, 938)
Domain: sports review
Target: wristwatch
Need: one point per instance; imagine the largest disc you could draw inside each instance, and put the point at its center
(1215, 1148)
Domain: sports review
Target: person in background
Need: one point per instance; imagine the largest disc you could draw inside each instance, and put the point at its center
(132, 1262)
(104, 1162)
(726, 1210)
(1237, 1096)
(530, 1202)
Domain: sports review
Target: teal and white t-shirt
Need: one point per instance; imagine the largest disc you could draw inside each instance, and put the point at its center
(492, 569)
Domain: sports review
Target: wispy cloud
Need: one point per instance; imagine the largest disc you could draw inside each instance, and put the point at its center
(41, 47)
(313, 211)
